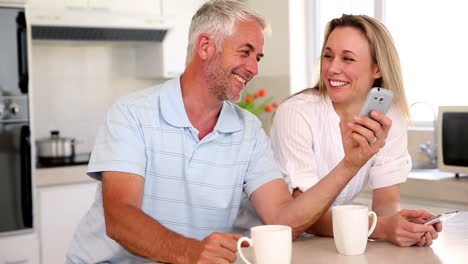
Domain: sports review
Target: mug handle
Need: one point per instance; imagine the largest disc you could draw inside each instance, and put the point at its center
(374, 222)
(239, 248)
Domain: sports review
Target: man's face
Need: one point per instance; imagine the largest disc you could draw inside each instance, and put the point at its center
(231, 69)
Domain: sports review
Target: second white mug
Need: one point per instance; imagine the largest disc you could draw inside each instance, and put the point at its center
(351, 228)
(271, 244)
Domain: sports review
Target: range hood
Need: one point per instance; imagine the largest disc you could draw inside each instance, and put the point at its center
(95, 25)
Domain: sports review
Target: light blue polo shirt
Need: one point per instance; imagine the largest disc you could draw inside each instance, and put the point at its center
(193, 187)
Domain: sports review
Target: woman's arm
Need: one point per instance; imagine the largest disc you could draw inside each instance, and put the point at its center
(399, 227)
(385, 202)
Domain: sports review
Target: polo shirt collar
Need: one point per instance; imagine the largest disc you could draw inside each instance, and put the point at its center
(172, 105)
(173, 110)
(229, 119)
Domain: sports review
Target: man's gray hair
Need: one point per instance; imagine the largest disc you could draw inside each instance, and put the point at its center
(218, 19)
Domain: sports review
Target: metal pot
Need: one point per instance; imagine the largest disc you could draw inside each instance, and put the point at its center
(55, 149)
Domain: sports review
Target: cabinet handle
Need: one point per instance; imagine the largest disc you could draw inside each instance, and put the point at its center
(22, 52)
(20, 261)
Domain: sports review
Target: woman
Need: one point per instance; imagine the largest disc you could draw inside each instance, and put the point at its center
(314, 131)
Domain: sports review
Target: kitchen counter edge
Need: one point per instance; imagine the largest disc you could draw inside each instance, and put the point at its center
(419, 184)
(46, 177)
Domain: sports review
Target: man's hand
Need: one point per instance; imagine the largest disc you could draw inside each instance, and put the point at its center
(405, 228)
(217, 248)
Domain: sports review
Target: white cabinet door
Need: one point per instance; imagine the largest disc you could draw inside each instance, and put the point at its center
(58, 4)
(21, 249)
(11, 2)
(152, 7)
(136, 7)
(175, 44)
(47, 4)
(167, 60)
(60, 209)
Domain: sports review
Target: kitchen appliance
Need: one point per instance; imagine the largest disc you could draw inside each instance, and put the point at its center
(55, 149)
(18, 239)
(95, 25)
(452, 139)
(15, 151)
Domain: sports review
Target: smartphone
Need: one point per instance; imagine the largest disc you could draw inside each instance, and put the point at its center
(379, 99)
(441, 217)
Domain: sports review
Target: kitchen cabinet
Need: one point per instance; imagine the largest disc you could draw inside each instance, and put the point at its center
(137, 7)
(61, 208)
(152, 7)
(54, 4)
(167, 59)
(11, 2)
(21, 249)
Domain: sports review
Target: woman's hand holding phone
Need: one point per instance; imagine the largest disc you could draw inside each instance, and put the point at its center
(370, 128)
(406, 228)
(378, 99)
(365, 138)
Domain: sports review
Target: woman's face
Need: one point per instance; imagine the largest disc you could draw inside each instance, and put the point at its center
(347, 66)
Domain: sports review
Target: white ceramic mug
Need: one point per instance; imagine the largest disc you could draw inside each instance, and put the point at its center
(271, 244)
(351, 228)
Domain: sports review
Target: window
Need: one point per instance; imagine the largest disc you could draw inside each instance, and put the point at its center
(322, 11)
(329, 9)
(431, 44)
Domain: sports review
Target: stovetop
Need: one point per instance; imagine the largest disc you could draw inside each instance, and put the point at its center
(78, 159)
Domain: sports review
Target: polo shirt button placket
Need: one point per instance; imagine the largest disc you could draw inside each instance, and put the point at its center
(194, 144)
(193, 154)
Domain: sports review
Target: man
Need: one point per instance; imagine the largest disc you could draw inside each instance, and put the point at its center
(175, 159)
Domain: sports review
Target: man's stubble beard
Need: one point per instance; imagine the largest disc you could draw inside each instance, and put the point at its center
(219, 80)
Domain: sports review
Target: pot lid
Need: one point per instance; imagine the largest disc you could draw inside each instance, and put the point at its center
(55, 137)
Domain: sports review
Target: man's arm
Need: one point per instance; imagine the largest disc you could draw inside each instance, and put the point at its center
(275, 205)
(323, 226)
(385, 202)
(127, 224)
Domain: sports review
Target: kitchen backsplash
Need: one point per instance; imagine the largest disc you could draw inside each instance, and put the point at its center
(416, 137)
(74, 84)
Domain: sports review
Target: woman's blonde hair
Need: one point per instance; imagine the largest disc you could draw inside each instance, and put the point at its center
(383, 52)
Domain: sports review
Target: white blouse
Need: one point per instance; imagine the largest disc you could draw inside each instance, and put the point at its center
(307, 142)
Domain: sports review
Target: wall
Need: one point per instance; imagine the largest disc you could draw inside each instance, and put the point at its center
(74, 84)
(274, 72)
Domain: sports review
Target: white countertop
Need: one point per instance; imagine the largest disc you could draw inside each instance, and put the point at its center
(421, 184)
(451, 248)
(436, 185)
(46, 177)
